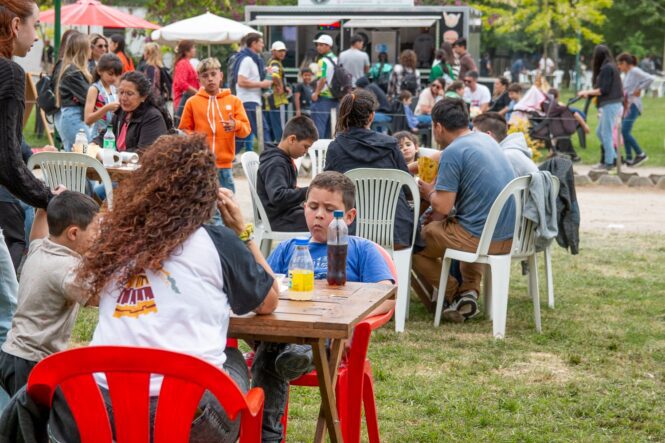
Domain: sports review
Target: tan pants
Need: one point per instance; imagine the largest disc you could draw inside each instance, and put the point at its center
(440, 235)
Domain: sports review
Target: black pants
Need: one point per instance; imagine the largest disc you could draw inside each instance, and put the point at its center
(14, 372)
(12, 223)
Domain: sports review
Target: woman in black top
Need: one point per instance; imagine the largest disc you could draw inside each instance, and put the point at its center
(609, 92)
(357, 146)
(17, 35)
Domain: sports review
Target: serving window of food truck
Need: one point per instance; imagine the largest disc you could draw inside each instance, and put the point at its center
(389, 26)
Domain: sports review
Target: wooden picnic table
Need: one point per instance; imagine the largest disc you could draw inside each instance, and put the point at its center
(330, 315)
(117, 173)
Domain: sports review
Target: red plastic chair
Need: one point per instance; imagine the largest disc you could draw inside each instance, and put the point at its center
(128, 372)
(355, 384)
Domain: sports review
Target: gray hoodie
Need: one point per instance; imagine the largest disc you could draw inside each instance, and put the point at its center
(518, 153)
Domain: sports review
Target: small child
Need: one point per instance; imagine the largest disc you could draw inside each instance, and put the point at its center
(406, 98)
(276, 364)
(102, 99)
(302, 92)
(219, 115)
(277, 178)
(48, 297)
(455, 90)
(408, 144)
(515, 95)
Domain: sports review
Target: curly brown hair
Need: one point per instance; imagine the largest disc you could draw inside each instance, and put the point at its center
(156, 209)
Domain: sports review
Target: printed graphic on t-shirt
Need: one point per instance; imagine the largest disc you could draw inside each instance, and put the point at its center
(137, 297)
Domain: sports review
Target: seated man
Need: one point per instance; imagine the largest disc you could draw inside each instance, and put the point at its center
(277, 364)
(476, 94)
(472, 173)
(277, 179)
(514, 145)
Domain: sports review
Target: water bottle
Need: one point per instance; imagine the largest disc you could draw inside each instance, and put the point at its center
(81, 142)
(109, 149)
(338, 245)
(109, 139)
(301, 271)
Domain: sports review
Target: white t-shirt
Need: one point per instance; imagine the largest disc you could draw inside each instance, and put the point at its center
(184, 307)
(354, 61)
(478, 97)
(249, 70)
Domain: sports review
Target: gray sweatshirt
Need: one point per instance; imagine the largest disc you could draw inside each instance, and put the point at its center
(636, 79)
(518, 153)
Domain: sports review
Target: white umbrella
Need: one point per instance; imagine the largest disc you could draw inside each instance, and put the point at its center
(208, 28)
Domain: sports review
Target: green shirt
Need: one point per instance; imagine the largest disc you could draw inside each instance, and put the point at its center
(326, 70)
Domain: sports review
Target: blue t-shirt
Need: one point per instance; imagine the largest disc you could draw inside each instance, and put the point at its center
(476, 169)
(364, 263)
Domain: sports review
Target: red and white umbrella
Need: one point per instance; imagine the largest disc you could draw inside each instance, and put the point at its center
(93, 13)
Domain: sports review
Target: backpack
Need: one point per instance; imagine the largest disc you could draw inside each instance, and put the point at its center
(409, 82)
(341, 82)
(46, 95)
(383, 79)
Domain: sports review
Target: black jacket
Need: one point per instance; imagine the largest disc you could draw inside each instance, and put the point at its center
(381, 98)
(14, 174)
(568, 211)
(363, 148)
(609, 83)
(276, 184)
(146, 124)
(73, 87)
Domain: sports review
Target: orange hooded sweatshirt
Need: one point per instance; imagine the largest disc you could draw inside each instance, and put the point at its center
(205, 114)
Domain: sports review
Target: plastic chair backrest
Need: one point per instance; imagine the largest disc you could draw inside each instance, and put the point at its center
(317, 152)
(377, 193)
(250, 166)
(128, 371)
(70, 169)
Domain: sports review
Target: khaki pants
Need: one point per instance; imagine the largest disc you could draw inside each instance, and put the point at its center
(440, 235)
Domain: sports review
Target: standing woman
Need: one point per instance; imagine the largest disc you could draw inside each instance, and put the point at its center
(154, 71)
(405, 75)
(99, 46)
(185, 79)
(18, 19)
(443, 64)
(635, 81)
(381, 71)
(72, 87)
(608, 91)
(117, 46)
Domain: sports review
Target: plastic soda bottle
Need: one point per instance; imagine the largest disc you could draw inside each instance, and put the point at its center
(109, 139)
(109, 149)
(301, 270)
(338, 245)
(81, 142)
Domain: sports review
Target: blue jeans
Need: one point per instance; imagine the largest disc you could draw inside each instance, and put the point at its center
(320, 110)
(424, 120)
(70, 122)
(626, 128)
(8, 293)
(29, 212)
(381, 121)
(247, 143)
(608, 116)
(225, 176)
(276, 119)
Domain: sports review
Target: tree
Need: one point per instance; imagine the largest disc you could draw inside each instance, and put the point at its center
(169, 11)
(636, 26)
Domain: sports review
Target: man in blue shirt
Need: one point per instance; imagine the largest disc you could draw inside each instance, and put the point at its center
(472, 172)
(277, 364)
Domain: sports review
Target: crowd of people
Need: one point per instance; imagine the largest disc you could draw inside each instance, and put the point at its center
(176, 235)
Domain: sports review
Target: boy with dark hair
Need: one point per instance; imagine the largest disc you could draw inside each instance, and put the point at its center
(277, 364)
(302, 92)
(49, 297)
(515, 95)
(277, 178)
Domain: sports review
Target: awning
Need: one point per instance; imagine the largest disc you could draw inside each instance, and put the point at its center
(392, 22)
(281, 20)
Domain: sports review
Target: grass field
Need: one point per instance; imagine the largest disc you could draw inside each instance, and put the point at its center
(596, 373)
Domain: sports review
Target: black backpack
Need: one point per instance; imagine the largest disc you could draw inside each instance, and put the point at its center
(341, 82)
(46, 95)
(409, 82)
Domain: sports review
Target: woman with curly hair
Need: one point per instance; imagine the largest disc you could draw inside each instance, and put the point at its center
(167, 280)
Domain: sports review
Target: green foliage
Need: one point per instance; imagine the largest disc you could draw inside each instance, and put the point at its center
(169, 11)
(636, 26)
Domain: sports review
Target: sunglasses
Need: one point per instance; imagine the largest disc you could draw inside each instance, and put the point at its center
(102, 46)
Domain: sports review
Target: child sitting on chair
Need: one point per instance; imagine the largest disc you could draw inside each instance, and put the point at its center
(277, 364)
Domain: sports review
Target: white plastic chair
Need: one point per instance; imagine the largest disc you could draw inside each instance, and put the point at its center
(317, 152)
(497, 278)
(70, 169)
(377, 193)
(263, 233)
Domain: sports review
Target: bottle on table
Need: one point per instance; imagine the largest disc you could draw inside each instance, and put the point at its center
(109, 149)
(81, 142)
(338, 245)
(301, 270)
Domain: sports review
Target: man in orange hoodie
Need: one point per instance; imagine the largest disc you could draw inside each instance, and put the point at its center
(219, 115)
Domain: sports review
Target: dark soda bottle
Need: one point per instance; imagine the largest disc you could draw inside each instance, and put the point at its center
(338, 245)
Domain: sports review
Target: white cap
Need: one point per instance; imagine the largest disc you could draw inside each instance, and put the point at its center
(278, 46)
(325, 39)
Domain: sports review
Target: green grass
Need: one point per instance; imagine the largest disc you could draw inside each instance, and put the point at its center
(648, 130)
(596, 373)
(29, 133)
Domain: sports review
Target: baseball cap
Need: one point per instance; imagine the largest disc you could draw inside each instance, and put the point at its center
(278, 46)
(325, 39)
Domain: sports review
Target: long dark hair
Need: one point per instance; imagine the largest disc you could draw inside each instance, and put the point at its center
(448, 54)
(143, 86)
(355, 110)
(183, 48)
(107, 63)
(628, 58)
(601, 55)
(119, 39)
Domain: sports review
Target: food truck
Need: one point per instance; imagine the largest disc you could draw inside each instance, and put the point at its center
(389, 26)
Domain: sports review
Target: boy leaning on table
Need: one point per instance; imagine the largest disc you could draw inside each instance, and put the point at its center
(48, 295)
(275, 365)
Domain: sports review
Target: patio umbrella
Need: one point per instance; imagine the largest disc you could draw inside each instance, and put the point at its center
(208, 29)
(93, 13)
